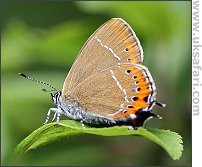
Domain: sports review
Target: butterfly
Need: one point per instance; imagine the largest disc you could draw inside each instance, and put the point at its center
(107, 85)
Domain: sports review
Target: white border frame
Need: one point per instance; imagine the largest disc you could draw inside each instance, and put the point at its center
(196, 88)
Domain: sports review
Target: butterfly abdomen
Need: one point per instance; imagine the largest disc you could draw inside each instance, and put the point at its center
(73, 110)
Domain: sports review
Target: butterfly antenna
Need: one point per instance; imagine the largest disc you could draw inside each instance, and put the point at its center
(35, 80)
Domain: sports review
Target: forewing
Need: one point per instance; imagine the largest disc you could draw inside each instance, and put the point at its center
(114, 42)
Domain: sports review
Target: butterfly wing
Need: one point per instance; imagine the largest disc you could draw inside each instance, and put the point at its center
(117, 91)
(114, 42)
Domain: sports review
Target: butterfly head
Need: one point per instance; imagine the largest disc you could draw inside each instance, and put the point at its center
(56, 97)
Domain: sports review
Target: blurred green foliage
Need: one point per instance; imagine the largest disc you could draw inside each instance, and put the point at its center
(42, 40)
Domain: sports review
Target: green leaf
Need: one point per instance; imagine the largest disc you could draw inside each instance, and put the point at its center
(170, 141)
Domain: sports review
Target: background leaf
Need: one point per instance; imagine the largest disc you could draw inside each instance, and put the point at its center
(170, 141)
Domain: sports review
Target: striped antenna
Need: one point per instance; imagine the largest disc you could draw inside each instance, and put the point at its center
(35, 80)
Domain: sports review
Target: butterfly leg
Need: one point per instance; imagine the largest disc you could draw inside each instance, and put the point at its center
(82, 124)
(48, 114)
(54, 116)
(58, 117)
